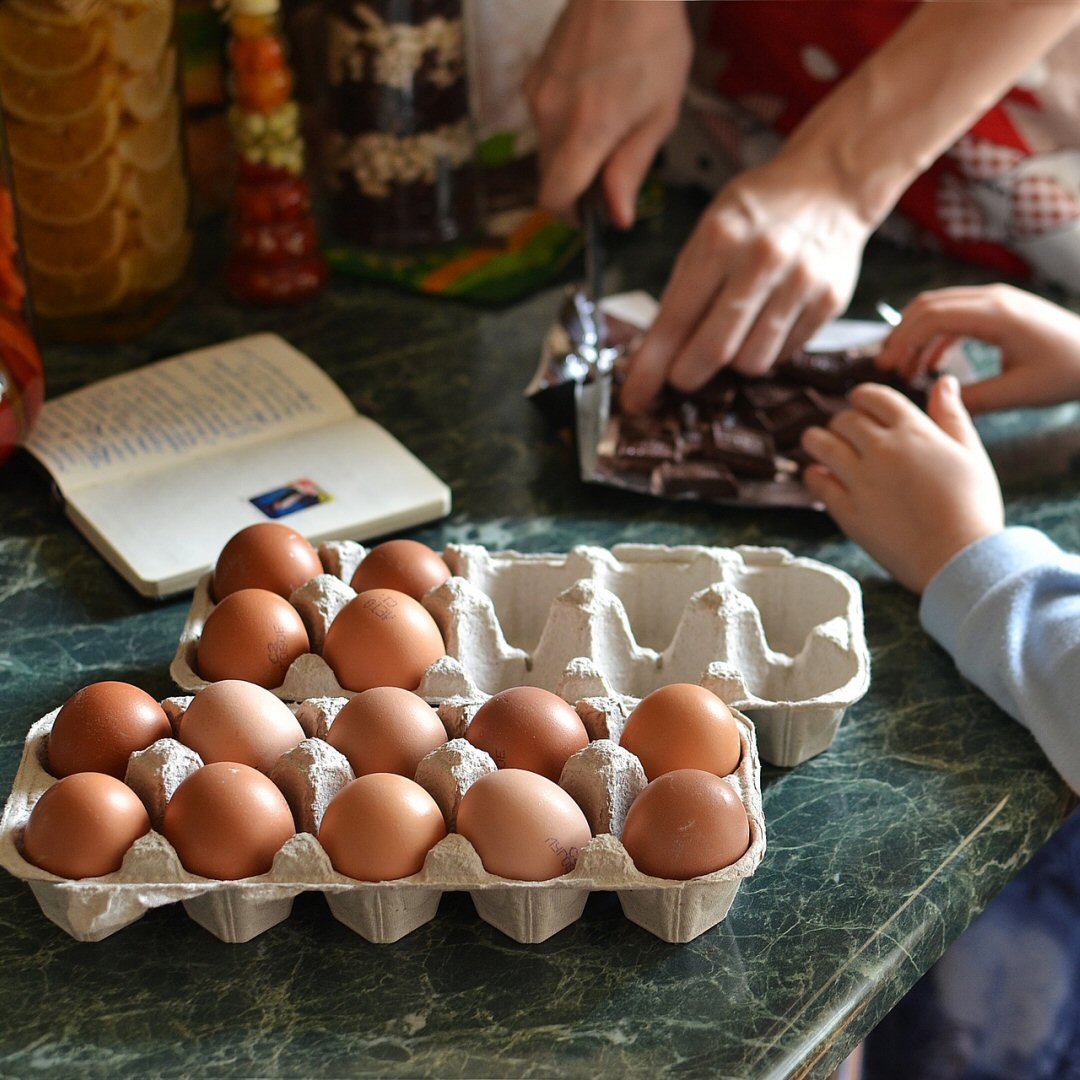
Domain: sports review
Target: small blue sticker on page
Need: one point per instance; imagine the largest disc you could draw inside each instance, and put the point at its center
(286, 500)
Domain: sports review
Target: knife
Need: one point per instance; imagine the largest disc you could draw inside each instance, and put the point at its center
(592, 213)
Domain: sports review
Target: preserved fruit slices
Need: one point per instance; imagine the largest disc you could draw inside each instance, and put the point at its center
(64, 145)
(93, 109)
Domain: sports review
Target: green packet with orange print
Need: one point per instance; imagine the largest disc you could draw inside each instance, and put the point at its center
(524, 253)
(518, 253)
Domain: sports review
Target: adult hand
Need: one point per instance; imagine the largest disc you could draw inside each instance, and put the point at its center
(775, 256)
(913, 488)
(605, 93)
(1039, 343)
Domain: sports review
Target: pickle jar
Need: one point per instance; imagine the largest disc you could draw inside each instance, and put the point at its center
(89, 95)
(399, 146)
(22, 381)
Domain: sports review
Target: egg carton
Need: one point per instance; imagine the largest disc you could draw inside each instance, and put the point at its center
(776, 636)
(603, 778)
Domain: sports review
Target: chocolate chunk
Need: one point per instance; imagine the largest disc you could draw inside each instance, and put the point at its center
(766, 394)
(744, 450)
(719, 392)
(693, 431)
(703, 479)
(827, 404)
(833, 372)
(643, 454)
(787, 422)
(647, 426)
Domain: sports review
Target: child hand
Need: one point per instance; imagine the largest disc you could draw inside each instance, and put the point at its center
(913, 489)
(1039, 343)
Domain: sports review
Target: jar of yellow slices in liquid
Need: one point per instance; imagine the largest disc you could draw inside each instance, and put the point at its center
(89, 95)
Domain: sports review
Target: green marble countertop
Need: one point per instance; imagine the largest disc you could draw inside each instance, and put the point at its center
(880, 851)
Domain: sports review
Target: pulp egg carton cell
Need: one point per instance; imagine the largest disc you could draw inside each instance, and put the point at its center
(777, 636)
(603, 778)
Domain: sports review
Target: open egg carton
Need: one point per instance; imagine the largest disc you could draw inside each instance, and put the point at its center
(776, 636)
(603, 778)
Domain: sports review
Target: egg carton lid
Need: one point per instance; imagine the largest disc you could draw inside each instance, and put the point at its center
(777, 636)
(151, 874)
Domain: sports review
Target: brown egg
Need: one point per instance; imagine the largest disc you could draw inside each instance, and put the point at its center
(252, 635)
(380, 827)
(386, 729)
(682, 726)
(269, 556)
(83, 825)
(405, 565)
(527, 727)
(227, 821)
(382, 638)
(522, 825)
(684, 824)
(100, 726)
(239, 721)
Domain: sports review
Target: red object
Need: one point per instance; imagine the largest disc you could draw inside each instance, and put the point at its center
(275, 242)
(256, 54)
(783, 59)
(263, 91)
(290, 283)
(270, 199)
(22, 383)
(274, 257)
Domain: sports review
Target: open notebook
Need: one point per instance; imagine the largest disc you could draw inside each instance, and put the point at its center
(161, 465)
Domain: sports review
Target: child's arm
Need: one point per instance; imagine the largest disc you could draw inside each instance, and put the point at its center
(1007, 609)
(919, 493)
(1039, 343)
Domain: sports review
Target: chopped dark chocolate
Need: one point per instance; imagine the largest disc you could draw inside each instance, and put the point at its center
(703, 479)
(745, 450)
(785, 423)
(767, 394)
(738, 438)
(643, 454)
(719, 392)
(647, 426)
(827, 404)
(833, 372)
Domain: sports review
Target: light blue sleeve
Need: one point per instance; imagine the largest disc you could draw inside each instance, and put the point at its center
(1008, 611)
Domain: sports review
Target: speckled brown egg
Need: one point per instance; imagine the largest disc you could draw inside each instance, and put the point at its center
(522, 825)
(380, 827)
(382, 638)
(683, 726)
(527, 727)
(252, 635)
(386, 729)
(227, 821)
(100, 726)
(83, 825)
(405, 565)
(233, 720)
(684, 824)
(267, 555)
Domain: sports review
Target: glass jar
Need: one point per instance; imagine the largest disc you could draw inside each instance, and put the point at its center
(22, 381)
(399, 146)
(89, 93)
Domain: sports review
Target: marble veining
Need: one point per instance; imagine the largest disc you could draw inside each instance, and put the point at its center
(880, 851)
